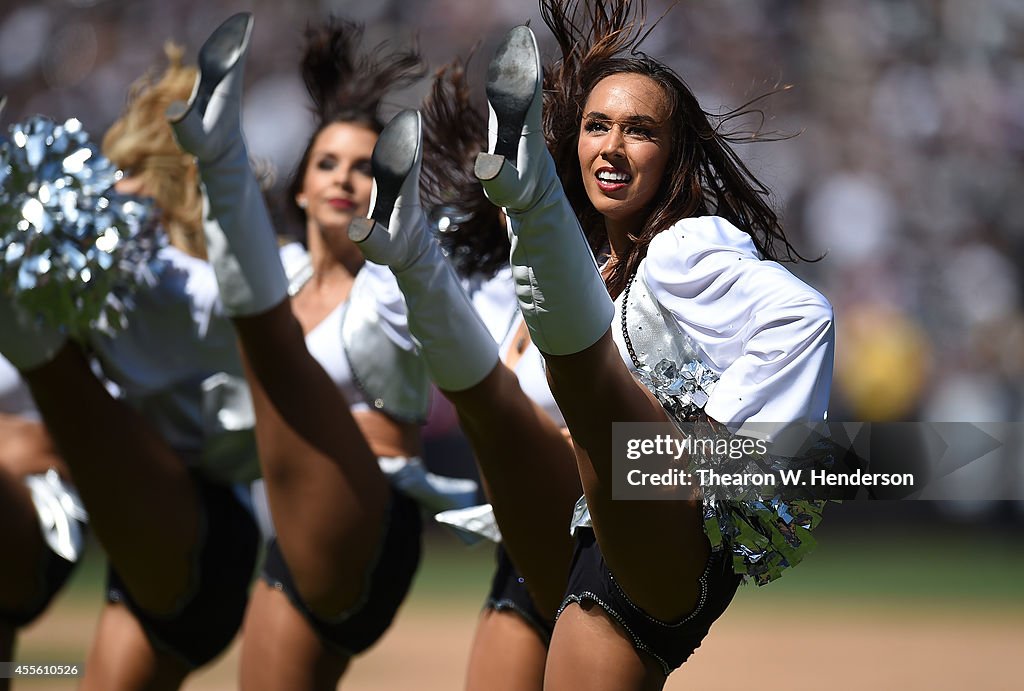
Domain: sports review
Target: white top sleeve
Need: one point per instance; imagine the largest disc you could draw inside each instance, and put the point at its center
(15, 398)
(176, 333)
(176, 340)
(381, 286)
(769, 336)
(495, 301)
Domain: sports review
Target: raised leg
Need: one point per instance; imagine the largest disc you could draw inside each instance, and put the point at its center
(146, 515)
(326, 493)
(325, 490)
(240, 240)
(568, 310)
(561, 294)
(455, 345)
(525, 462)
(530, 479)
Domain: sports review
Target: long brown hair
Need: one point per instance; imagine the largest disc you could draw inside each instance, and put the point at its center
(345, 85)
(599, 38)
(454, 132)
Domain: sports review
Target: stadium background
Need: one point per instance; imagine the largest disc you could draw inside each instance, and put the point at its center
(911, 141)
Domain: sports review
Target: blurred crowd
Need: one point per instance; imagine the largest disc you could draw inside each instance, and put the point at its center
(908, 119)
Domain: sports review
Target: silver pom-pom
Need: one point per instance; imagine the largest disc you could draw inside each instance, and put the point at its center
(764, 535)
(682, 388)
(74, 249)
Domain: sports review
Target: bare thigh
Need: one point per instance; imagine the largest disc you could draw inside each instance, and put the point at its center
(508, 654)
(594, 390)
(590, 651)
(280, 650)
(324, 487)
(123, 659)
(146, 515)
(529, 474)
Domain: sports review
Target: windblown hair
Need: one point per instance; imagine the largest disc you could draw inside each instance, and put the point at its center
(346, 86)
(141, 143)
(600, 38)
(454, 132)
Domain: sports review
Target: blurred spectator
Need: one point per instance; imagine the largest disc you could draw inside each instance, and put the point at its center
(906, 171)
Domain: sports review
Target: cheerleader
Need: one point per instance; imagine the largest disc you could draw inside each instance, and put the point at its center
(640, 176)
(338, 390)
(43, 518)
(508, 413)
(158, 467)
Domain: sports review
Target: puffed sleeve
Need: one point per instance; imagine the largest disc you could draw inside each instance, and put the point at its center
(378, 290)
(379, 346)
(175, 332)
(15, 398)
(768, 335)
(375, 297)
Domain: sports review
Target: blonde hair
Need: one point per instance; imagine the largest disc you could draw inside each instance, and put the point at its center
(142, 145)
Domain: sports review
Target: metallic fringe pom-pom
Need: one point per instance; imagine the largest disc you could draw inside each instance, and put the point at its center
(74, 250)
(766, 535)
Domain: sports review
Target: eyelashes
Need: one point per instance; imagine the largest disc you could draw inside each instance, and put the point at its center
(329, 163)
(630, 131)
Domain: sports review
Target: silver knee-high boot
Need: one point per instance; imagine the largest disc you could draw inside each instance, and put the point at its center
(240, 238)
(454, 343)
(561, 294)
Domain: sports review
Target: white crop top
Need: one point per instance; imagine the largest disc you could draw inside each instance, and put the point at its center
(324, 344)
(324, 341)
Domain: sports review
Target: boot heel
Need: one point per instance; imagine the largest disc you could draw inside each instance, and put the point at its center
(219, 55)
(393, 159)
(217, 58)
(487, 166)
(512, 79)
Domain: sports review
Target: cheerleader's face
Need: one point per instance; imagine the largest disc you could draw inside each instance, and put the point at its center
(624, 147)
(338, 180)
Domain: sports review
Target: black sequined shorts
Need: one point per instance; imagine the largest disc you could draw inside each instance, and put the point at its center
(509, 594)
(388, 583)
(205, 625)
(54, 571)
(670, 643)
